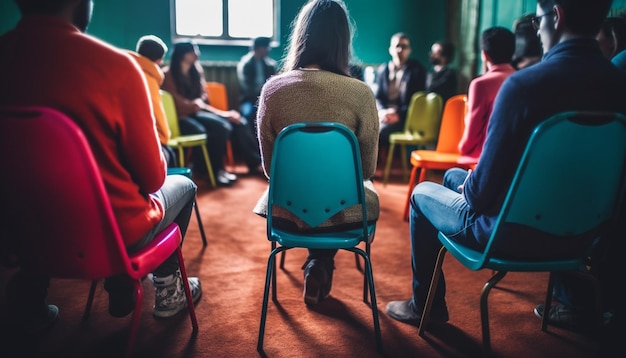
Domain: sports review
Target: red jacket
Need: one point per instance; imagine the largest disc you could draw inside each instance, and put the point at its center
(46, 61)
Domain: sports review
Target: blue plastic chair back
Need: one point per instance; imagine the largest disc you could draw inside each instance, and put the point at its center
(316, 172)
(568, 185)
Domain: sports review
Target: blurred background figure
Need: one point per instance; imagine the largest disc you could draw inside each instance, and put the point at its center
(528, 49)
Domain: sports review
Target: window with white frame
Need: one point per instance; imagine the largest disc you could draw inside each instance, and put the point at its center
(224, 22)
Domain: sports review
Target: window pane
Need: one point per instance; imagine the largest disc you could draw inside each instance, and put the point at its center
(251, 18)
(199, 17)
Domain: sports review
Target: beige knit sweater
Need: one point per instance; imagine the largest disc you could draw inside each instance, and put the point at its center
(320, 96)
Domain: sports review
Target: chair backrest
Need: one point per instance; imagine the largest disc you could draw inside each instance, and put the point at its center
(316, 172)
(170, 113)
(56, 202)
(218, 95)
(452, 124)
(424, 115)
(568, 185)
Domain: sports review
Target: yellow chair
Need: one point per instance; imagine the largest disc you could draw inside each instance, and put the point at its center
(180, 142)
(421, 128)
(446, 155)
(218, 98)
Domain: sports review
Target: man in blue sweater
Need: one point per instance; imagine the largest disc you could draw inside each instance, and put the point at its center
(573, 75)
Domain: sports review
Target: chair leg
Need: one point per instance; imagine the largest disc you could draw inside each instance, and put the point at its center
(92, 291)
(365, 282)
(434, 281)
(388, 164)
(370, 283)
(484, 309)
(190, 306)
(230, 158)
(547, 303)
(270, 280)
(282, 260)
(199, 220)
(136, 315)
(409, 192)
(405, 168)
(207, 161)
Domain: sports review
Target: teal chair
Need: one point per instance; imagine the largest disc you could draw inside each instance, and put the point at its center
(187, 172)
(570, 204)
(316, 173)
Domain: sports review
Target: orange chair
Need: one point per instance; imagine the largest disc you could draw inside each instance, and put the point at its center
(446, 155)
(61, 211)
(218, 98)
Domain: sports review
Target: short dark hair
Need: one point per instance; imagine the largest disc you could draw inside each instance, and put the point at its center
(584, 17)
(498, 43)
(261, 42)
(151, 47)
(614, 27)
(527, 44)
(44, 7)
(447, 49)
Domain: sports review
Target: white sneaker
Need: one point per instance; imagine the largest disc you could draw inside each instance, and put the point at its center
(169, 295)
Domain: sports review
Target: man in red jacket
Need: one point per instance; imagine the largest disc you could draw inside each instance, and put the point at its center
(47, 60)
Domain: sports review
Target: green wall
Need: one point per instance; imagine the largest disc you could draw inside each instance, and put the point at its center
(122, 22)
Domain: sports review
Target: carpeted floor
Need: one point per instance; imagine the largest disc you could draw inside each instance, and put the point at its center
(232, 271)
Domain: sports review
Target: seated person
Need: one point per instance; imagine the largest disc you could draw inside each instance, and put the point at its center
(527, 45)
(150, 52)
(184, 79)
(318, 62)
(442, 79)
(497, 45)
(253, 70)
(116, 116)
(466, 207)
(396, 82)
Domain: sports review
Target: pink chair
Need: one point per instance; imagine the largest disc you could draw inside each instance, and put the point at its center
(60, 208)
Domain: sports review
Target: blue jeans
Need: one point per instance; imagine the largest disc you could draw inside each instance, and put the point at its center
(435, 208)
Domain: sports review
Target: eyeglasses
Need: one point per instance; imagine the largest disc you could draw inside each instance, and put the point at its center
(536, 20)
(403, 46)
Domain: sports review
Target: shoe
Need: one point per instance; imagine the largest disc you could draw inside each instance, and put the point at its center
(318, 280)
(221, 180)
(230, 176)
(404, 311)
(34, 324)
(121, 303)
(121, 295)
(170, 296)
(559, 315)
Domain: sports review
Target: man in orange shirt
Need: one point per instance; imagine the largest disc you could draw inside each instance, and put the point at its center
(102, 89)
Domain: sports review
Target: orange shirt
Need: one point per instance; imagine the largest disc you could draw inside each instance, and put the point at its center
(46, 61)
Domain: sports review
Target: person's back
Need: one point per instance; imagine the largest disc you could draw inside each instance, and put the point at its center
(497, 45)
(48, 61)
(79, 75)
(573, 75)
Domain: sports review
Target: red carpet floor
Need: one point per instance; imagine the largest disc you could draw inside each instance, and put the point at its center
(232, 271)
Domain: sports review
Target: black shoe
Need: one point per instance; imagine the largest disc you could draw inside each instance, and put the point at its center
(34, 324)
(121, 296)
(559, 315)
(318, 280)
(230, 176)
(222, 180)
(404, 311)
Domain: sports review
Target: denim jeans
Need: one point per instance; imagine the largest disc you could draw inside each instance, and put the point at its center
(435, 208)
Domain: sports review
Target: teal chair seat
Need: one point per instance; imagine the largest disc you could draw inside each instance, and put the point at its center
(315, 174)
(556, 210)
